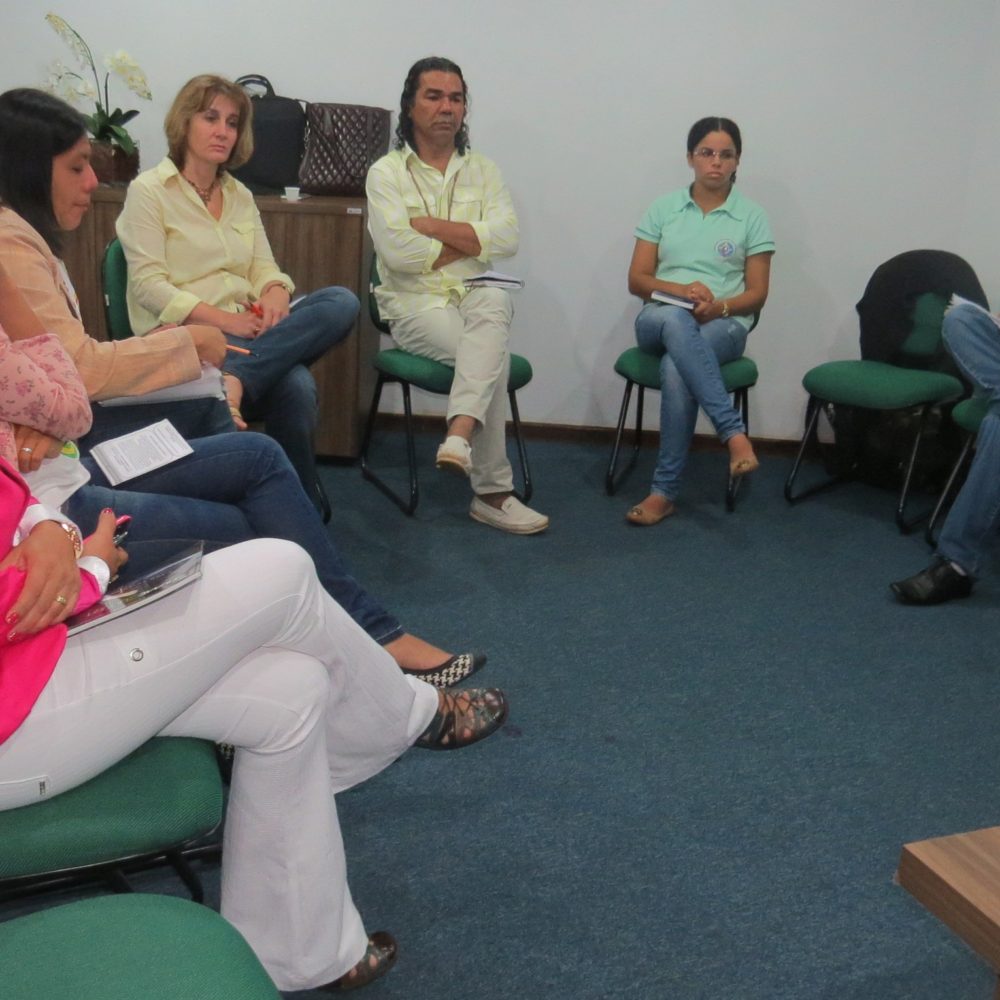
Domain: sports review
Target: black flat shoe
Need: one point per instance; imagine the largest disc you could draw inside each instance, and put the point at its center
(377, 961)
(938, 583)
(452, 671)
(464, 718)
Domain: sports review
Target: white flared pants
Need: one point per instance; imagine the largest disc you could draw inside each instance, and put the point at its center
(258, 655)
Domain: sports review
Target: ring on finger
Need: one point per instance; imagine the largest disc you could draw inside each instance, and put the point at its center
(61, 600)
(27, 451)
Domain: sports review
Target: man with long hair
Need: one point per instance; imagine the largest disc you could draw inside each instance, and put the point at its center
(439, 213)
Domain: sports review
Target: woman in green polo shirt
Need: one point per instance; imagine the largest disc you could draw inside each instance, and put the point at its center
(711, 248)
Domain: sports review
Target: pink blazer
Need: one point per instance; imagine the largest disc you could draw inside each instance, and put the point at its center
(27, 663)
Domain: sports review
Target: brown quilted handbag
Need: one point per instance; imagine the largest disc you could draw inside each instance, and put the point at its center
(342, 142)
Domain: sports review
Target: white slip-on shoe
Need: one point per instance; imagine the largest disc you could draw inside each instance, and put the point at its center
(511, 515)
(455, 455)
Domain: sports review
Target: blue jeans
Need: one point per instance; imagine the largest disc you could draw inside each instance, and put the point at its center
(974, 342)
(233, 488)
(193, 418)
(689, 377)
(277, 385)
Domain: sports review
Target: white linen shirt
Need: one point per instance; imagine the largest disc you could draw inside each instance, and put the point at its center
(401, 187)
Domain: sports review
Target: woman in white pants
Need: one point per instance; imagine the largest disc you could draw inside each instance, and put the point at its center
(269, 662)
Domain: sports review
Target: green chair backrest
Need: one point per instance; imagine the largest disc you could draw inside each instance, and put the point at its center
(924, 340)
(114, 279)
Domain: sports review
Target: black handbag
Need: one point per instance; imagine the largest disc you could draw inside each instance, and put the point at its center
(342, 142)
(279, 127)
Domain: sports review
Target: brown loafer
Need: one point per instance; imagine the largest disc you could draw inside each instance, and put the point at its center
(375, 963)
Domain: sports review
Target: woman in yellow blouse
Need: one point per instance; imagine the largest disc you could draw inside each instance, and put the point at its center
(197, 253)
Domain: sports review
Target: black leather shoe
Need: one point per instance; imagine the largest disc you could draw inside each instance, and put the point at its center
(938, 583)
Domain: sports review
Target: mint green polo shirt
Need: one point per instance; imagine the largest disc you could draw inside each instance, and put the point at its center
(713, 248)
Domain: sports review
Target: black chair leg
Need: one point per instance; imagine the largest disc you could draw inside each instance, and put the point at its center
(906, 526)
(611, 481)
(187, 875)
(948, 493)
(515, 418)
(406, 506)
(813, 409)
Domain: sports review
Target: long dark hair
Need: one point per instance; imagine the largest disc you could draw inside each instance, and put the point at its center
(703, 126)
(404, 128)
(34, 128)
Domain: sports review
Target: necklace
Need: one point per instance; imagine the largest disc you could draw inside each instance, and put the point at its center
(204, 193)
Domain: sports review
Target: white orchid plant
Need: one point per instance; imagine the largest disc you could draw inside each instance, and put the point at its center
(104, 125)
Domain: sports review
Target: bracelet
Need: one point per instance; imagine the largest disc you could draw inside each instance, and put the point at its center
(725, 308)
(74, 534)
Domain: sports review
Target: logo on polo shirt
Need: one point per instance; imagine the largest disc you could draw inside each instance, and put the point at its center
(725, 248)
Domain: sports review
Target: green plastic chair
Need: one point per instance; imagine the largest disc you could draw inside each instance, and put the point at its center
(641, 369)
(967, 415)
(406, 369)
(876, 385)
(128, 947)
(114, 283)
(153, 805)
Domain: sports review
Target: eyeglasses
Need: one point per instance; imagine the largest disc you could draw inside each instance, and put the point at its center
(704, 153)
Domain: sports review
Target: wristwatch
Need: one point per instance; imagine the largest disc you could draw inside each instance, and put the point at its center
(74, 533)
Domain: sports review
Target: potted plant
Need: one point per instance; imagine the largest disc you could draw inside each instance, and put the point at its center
(115, 156)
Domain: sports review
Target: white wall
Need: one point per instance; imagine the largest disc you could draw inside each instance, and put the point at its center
(868, 129)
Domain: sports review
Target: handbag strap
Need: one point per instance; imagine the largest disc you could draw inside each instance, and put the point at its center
(256, 80)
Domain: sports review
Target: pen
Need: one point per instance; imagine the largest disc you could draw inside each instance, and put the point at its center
(236, 350)
(256, 309)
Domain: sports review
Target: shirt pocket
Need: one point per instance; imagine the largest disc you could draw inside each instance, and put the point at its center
(467, 203)
(415, 207)
(240, 246)
(245, 232)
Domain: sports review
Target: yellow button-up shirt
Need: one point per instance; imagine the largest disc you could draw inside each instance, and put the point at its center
(401, 187)
(179, 256)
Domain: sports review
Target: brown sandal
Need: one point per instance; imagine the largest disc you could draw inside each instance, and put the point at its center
(743, 466)
(377, 960)
(644, 517)
(234, 412)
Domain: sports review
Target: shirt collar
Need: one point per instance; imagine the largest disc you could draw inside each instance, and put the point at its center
(166, 169)
(455, 164)
(733, 205)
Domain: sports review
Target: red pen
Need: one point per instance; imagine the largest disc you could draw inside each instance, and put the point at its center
(256, 309)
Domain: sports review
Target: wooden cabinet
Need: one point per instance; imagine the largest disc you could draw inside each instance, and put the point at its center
(318, 242)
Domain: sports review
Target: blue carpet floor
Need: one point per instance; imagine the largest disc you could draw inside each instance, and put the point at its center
(722, 730)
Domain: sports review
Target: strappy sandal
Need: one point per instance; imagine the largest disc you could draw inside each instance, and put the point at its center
(743, 466)
(464, 718)
(234, 412)
(378, 959)
(452, 671)
(644, 517)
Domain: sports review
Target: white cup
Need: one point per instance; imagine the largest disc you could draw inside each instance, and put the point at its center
(291, 194)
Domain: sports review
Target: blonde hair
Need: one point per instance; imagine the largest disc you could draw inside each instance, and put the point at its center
(197, 95)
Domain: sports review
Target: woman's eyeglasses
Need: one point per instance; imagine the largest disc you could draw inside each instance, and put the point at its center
(704, 153)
